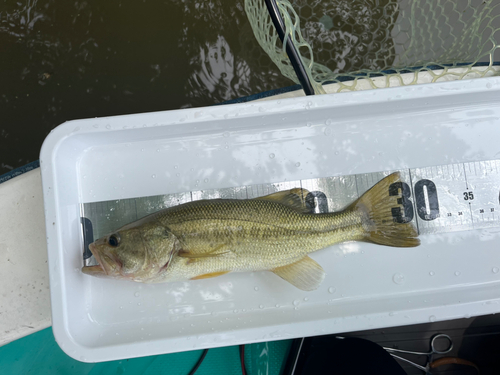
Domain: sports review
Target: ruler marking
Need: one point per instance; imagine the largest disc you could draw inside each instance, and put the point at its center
(356, 182)
(465, 175)
(338, 189)
(414, 201)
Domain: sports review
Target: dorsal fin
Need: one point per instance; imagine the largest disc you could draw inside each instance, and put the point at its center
(294, 198)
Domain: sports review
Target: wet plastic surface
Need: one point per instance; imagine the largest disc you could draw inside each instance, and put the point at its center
(450, 275)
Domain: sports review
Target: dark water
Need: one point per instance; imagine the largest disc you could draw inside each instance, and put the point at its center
(63, 60)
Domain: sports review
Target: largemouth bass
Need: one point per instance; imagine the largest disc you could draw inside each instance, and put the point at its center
(210, 238)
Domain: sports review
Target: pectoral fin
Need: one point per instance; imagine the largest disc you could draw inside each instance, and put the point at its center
(209, 275)
(194, 254)
(294, 198)
(305, 274)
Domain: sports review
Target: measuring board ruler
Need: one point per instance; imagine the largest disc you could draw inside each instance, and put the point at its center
(444, 198)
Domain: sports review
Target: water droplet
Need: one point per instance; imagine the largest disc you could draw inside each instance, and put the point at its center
(178, 174)
(157, 150)
(331, 290)
(306, 299)
(494, 270)
(489, 85)
(432, 318)
(137, 294)
(108, 126)
(256, 288)
(153, 176)
(328, 121)
(277, 306)
(398, 278)
(272, 156)
(138, 304)
(296, 302)
(261, 306)
(457, 273)
(308, 124)
(205, 180)
(336, 152)
(262, 109)
(391, 314)
(121, 307)
(431, 273)
(327, 131)
(467, 316)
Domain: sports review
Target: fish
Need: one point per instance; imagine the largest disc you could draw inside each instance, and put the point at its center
(276, 233)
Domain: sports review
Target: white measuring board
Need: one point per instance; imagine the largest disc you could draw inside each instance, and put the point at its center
(444, 198)
(443, 138)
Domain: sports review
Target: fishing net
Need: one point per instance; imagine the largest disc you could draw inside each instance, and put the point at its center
(343, 41)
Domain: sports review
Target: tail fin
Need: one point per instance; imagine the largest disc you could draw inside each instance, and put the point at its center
(377, 205)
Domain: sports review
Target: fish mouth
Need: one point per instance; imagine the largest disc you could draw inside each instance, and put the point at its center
(105, 266)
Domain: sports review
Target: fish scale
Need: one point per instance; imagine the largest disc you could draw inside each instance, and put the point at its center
(245, 223)
(208, 238)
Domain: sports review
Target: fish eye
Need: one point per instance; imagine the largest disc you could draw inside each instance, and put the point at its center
(114, 240)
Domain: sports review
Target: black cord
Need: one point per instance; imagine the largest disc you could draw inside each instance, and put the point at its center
(198, 364)
(242, 359)
(291, 51)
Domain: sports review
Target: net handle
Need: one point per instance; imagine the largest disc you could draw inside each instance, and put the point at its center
(291, 51)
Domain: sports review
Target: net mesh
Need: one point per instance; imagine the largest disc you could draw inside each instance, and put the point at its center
(342, 41)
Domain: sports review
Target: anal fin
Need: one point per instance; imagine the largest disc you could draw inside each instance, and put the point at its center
(306, 274)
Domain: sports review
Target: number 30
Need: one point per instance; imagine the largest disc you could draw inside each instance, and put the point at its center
(427, 209)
